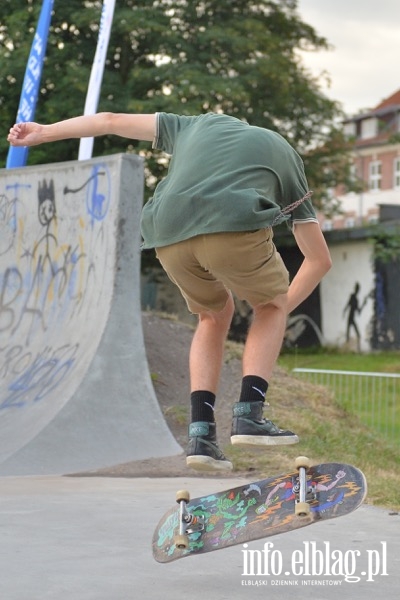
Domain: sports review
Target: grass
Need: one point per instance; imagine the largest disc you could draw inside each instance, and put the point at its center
(328, 433)
(382, 362)
(374, 398)
(179, 413)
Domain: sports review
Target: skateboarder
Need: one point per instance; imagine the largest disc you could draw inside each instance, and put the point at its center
(210, 221)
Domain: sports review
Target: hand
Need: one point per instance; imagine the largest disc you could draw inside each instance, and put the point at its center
(25, 134)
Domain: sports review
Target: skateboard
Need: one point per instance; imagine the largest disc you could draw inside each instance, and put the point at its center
(258, 510)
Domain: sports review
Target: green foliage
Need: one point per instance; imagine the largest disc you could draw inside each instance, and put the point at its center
(394, 138)
(236, 56)
(386, 245)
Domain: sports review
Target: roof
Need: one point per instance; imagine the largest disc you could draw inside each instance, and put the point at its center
(393, 100)
(386, 106)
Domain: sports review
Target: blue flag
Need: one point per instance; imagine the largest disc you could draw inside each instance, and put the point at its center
(17, 156)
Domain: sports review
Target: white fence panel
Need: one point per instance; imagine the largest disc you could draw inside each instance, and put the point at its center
(374, 397)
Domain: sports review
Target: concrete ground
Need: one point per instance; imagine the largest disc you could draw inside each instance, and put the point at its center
(90, 539)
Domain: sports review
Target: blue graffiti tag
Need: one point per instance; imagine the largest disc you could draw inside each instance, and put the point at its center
(98, 203)
(42, 376)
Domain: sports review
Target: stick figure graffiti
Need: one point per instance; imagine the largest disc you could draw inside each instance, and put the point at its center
(46, 215)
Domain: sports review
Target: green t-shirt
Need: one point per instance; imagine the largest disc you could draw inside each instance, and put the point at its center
(224, 175)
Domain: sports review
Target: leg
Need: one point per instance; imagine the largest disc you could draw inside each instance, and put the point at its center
(207, 348)
(206, 356)
(264, 340)
(261, 351)
(209, 298)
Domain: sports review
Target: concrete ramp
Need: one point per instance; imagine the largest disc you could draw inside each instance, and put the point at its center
(75, 389)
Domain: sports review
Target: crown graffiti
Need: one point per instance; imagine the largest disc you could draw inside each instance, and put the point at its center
(46, 191)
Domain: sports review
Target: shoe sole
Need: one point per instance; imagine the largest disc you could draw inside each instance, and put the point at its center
(206, 463)
(263, 440)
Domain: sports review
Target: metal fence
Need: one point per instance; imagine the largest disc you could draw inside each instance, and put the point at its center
(373, 397)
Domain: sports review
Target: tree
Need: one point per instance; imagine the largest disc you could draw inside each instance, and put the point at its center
(187, 56)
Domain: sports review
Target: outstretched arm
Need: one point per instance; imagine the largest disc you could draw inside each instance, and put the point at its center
(138, 127)
(316, 263)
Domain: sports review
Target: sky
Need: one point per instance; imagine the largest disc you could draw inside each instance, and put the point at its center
(364, 64)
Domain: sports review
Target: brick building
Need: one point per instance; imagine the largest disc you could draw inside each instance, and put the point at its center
(376, 154)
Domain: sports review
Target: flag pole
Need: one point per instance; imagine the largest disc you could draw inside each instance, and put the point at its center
(96, 75)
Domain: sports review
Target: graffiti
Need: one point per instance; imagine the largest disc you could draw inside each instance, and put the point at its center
(299, 325)
(8, 219)
(7, 223)
(354, 308)
(47, 216)
(35, 289)
(380, 302)
(386, 329)
(36, 296)
(43, 374)
(97, 202)
(48, 282)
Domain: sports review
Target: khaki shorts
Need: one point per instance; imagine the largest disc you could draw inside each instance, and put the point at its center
(205, 267)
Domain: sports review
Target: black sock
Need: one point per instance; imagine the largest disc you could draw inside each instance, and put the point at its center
(253, 389)
(202, 406)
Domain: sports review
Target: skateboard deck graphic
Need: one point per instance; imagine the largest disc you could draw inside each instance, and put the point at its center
(258, 509)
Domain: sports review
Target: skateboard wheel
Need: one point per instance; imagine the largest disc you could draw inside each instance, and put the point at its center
(182, 496)
(302, 509)
(182, 542)
(302, 462)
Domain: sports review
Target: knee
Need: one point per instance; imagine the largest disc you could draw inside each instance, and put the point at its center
(222, 318)
(278, 304)
(229, 308)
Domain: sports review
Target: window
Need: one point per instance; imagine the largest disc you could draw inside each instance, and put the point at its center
(375, 175)
(369, 128)
(327, 225)
(350, 129)
(396, 173)
(353, 175)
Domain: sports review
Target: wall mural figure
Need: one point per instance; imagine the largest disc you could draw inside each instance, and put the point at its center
(354, 308)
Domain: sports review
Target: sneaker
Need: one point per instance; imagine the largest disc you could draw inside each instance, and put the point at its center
(249, 428)
(203, 453)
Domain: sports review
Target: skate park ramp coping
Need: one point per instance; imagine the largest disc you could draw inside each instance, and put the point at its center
(75, 388)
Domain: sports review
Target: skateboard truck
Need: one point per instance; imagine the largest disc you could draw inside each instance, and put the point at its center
(188, 523)
(304, 493)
